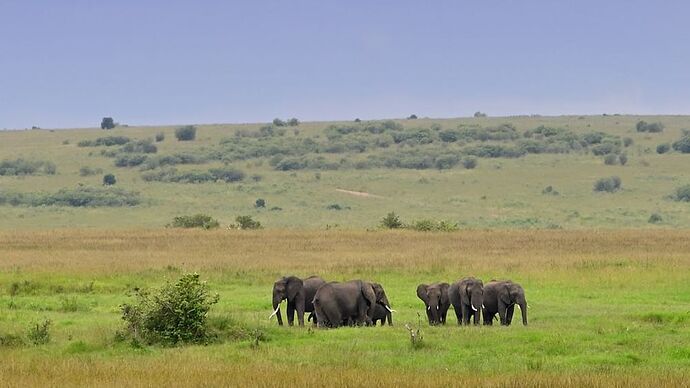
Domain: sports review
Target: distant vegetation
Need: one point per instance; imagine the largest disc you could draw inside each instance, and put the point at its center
(202, 221)
(171, 175)
(186, 133)
(79, 197)
(108, 123)
(608, 185)
(643, 126)
(19, 167)
(104, 141)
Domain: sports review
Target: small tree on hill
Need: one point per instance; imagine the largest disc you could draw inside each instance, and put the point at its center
(186, 133)
(293, 122)
(278, 122)
(107, 123)
(109, 180)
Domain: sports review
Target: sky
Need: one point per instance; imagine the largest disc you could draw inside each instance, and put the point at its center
(69, 63)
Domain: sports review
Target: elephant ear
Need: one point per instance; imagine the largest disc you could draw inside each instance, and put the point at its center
(504, 294)
(465, 293)
(368, 293)
(444, 293)
(294, 286)
(422, 294)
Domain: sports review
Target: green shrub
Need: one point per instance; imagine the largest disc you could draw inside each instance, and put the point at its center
(202, 221)
(160, 136)
(605, 149)
(427, 225)
(174, 314)
(469, 163)
(446, 161)
(39, 332)
(104, 141)
(627, 141)
(549, 190)
(140, 147)
(391, 221)
(293, 122)
(623, 159)
(109, 180)
(643, 126)
(11, 341)
(609, 185)
(278, 122)
(19, 167)
(186, 133)
(336, 206)
(682, 194)
(227, 174)
(129, 160)
(79, 197)
(611, 159)
(682, 145)
(260, 203)
(246, 222)
(494, 151)
(88, 171)
(655, 218)
(663, 148)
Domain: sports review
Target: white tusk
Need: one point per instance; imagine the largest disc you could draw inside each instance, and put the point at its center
(428, 307)
(274, 313)
(390, 309)
(483, 306)
(473, 307)
(518, 306)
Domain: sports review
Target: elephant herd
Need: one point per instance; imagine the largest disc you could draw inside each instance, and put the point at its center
(357, 302)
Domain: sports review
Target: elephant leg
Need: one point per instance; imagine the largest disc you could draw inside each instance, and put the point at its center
(290, 313)
(476, 317)
(488, 318)
(390, 319)
(428, 316)
(465, 315)
(300, 311)
(502, 310)
(458, 314)
(509, 314)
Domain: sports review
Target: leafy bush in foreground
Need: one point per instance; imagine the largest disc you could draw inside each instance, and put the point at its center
(655, 218)
(176, 313)
(608, 185)
(39, 333)
(196, 221)
(109, 180)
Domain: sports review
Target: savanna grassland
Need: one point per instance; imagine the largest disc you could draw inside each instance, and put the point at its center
(606, 307)
(606, 274)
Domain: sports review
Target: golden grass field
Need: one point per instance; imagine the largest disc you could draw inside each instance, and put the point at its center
(607, 308)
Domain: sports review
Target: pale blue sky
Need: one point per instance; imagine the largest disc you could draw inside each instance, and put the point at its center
(69, 63)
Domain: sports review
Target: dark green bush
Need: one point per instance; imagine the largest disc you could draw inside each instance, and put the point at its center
(79, 197)
(227, 174)
(293, 122)
(140, 147)
(446, 161)
(39, 332)
(279, 123)
(260, 203)
(682, 194)
(202, 221)
(611, 159)
(21, 166)
(605, 149)
(129, 160)
(627, 142)
(186, 133)
(246, 222)
(663, 148)
(469, 163)
(427, 225)
(494, 151)
(107, 123)
(623, 159)
(87, 171)
(160, 136)
(175, 314)
(608, 185)
(109, 180)
(104, 141)
(391, 221)
(549, 190)
(643, 126)
(655, 218)
(683, 144)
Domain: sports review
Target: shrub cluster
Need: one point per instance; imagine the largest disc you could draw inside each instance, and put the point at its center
(171, 175)
(186, 133)
(140, 147)
(202, 221)
(21, 166)
(174, 314)
(683, 144)
(682, 194)
(79, 197)
(608, 185)
(87, 171)
(246, 222)
(663, 148)
(643, 126)
(106, 141)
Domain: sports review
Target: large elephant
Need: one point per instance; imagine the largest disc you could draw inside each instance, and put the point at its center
(382, 310)
(467, 297)
(336, 303)
(299, 294)
(501, 297)
(435, 298)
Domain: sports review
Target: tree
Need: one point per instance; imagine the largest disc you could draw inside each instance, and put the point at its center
(260, 203)
(479, 114)
(412, 117)
(107, 123)
(293, 122)
(109, 180)
(278, 122)
(186, 133)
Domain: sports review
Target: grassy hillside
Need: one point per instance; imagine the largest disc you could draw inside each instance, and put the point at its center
(606, 308)
(501, 192)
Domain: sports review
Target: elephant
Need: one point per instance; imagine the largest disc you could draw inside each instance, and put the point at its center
(501, 297)
(382, 309)
(435, 298)
(337, 303)
(467, 297)
(299, 294)
(381, 314)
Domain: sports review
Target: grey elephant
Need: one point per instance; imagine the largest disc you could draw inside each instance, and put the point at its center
(336, 303)
(467, 297)
(436, 301)
(501, 297)
(299, 294)
(382, 309)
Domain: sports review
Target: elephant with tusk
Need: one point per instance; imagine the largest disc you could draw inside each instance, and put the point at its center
(298, 293)
(336, 304)
(435, 298)
(501, 297)
(382, 310)
(467, 298)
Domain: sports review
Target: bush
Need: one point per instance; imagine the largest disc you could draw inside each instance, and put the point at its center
(176, 313)
(682, 145)
(246, 222)
(469, 163)
(427, 225)
(622, 159)
(260, 203)
(494, 151)
(279, 123)
(227, 174)
(129, 160)
(107, 123)
(479, 114)
(663, 148)
(611, 159)
(87, 171)
(391, 221)
(293, 122)
(412, 117)
(655, 218)
(186, 133)
(109, 180)
(643, 126)
(39, 333)
(605, 148)
(549, 190)
(446, 161)
(21, 167)
(202, 221)
(79, 197)
(682, 194)
(140, 146)
(608, 185)
(160, 136)
(104, 141)
(627, 142)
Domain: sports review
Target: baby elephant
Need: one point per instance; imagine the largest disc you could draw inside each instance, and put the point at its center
(435, 298)
(501, 297)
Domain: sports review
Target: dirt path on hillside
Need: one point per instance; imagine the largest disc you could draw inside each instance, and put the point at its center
(358, 193)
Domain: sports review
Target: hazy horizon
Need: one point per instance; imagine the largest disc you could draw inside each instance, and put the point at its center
(173, 62)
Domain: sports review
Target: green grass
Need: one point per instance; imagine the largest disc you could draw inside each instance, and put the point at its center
(499, 193)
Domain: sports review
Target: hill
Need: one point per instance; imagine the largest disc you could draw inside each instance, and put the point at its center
(531, 172)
